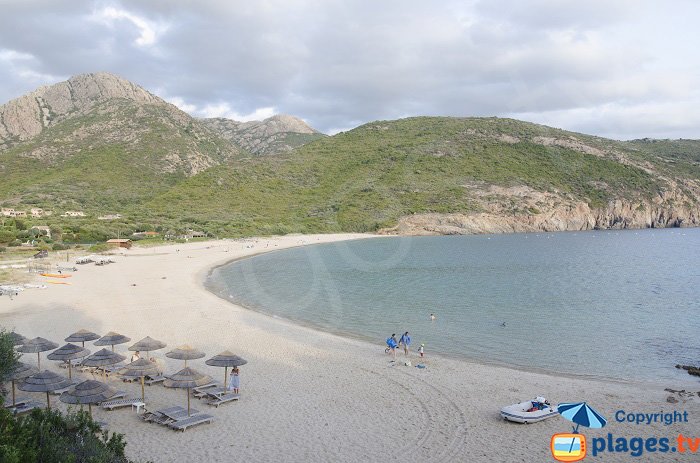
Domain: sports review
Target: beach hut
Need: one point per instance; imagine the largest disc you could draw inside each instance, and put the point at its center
(82, 336)
(88, 392)
(111, 339)
(140, 369)
(45, 381)
(187, 378)
(37, 345)
(21, 371)
(68, 353)
(226, 359)
(120, 243)
(185, 352)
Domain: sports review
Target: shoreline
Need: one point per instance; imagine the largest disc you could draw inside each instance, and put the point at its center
(659, 383)
(307, 395)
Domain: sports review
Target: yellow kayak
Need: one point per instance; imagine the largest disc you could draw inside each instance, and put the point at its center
(55, 275)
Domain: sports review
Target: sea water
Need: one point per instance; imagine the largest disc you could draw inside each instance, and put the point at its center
(614, 304)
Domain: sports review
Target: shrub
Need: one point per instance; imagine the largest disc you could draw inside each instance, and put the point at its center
(3, 249)
(59, 247)
(100, 247)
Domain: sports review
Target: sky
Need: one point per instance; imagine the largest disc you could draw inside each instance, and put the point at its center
(621, 69)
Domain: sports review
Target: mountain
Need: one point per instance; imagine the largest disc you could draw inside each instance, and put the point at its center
(432, 175)
(101, 144)
(277, 134)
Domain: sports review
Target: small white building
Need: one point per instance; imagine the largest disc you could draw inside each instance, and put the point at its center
(74, 214)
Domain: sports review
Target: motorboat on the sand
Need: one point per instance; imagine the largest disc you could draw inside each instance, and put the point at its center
(530, 411)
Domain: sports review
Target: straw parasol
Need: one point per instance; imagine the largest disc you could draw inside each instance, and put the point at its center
(140, 369)
(226, 359)
(112, 338)
(88, 392)
(147, 344)
(101, 358)
(67, 353)
(21, 371)
(45, 381)
(82, 336)
(37, 345)
(17, 339)
(185, 352)
(187, 378)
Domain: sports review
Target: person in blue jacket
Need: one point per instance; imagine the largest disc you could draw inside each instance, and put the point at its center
(391, 342)
(406, 341)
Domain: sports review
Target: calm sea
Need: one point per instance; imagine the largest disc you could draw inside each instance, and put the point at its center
(615, 304)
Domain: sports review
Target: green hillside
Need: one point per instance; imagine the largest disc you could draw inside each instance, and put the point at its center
(111, 159)
(367, 178)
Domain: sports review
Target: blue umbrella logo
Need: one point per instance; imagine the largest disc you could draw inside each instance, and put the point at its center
(581, 414)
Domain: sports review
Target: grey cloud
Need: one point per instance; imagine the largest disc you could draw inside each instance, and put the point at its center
(340, 63)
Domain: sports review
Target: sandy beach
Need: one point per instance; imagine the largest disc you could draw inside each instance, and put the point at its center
(313, 396)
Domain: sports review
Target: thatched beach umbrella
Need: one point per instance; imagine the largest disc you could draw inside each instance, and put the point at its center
(147, 344)
(21, 371)
(37, 345)
(226, 359)
(140, 369)
(67, 353)
(102, 358)
(88, 392)
(187, 378)
(185, 352)
(17, 339)
(82, 336)
(45, 381)
(111, 339)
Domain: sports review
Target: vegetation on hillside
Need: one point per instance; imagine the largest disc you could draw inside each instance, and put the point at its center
(360, 180)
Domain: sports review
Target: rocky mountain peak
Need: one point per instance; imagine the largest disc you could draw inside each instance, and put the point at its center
(26, 116)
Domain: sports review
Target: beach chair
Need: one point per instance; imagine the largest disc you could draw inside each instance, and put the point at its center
(151, 380)
(183, 424)
(218, 399)
(207, 393)
(18, 402)
(26, 408)
(168, 415)
(158, 414)
(206, 386)
(119, 403)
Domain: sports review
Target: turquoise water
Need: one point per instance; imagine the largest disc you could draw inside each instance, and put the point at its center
(616, 304)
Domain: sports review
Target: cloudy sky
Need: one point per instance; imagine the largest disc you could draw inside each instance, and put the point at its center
(616, 68)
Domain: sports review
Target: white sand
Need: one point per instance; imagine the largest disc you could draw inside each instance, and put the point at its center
(307, 395)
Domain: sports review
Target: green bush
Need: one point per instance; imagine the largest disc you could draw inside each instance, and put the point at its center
(3, 249)
(59, 247)
(100, 247)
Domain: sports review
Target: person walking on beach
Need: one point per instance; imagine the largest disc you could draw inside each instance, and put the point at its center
(420, 350)
(406, 341)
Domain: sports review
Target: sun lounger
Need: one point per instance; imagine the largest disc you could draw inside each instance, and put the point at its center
(167, 415)
(182, 425)
(206, 386)
(150, 380)
(219, 399)
(18, 402)
(26, 408)
(119, 403)
(207, 393)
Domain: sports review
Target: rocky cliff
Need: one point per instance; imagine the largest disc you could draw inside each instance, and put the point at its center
(548, 212)
(277, 134)
(27, 116)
